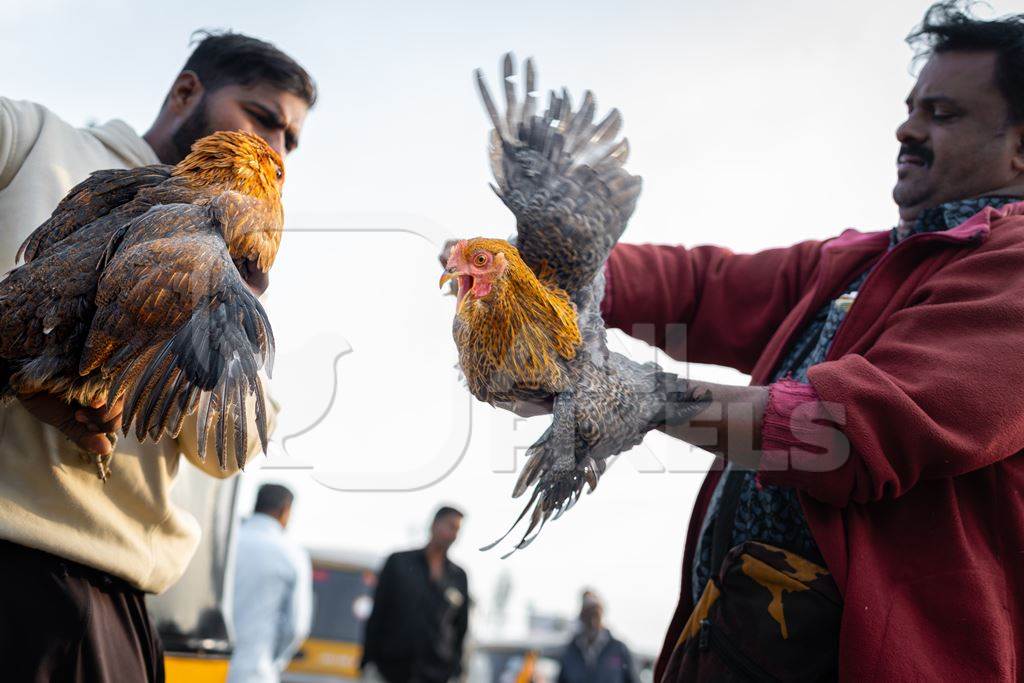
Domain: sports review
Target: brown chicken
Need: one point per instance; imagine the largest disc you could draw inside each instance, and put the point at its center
(138, 286)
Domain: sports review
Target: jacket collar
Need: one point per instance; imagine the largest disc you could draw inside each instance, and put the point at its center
(950, 214)
(974, 229)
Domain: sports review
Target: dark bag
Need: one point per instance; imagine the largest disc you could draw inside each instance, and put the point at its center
(769, 615)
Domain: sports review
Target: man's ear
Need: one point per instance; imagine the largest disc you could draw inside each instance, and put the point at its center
(186, 93)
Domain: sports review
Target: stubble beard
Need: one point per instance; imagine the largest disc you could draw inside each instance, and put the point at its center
(196, 126)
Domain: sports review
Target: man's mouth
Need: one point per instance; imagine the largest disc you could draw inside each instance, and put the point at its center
(913, 156)
(909, 160)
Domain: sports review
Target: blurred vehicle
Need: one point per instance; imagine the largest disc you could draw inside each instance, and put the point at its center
(343, 583)
(524, 660)
(192, 617)
(533, 659)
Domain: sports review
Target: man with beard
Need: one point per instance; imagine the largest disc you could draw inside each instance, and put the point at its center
(78, 553)
(869, 523)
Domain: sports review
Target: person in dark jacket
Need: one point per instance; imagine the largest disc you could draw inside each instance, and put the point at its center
(420, 612)
(594, 655)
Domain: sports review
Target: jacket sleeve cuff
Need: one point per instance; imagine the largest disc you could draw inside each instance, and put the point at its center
(779, 432)
(802, 445)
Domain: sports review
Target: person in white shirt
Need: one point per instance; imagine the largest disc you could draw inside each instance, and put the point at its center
(273, 599)
(78, 553)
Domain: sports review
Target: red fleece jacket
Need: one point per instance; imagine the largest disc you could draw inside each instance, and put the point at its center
(921, 519)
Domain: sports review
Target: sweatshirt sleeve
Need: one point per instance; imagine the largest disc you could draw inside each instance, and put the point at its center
(188, 439)
(937, 395)
(20, 125)
(730, 303)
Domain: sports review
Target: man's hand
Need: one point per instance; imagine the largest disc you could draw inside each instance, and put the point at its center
(736, 415)
(86, 426)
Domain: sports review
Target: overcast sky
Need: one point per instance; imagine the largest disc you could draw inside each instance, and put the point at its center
(753, 124)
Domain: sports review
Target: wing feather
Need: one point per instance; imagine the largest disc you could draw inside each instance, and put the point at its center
(562, 176)
(175, 325)
(101, 193)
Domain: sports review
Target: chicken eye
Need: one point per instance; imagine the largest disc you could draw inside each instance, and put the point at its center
(278, 172)
(480, 260)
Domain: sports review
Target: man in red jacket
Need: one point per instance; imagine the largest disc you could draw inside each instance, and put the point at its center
(882, 435)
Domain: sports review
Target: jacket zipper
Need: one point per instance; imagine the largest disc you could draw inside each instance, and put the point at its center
(733, 657)
(934, 236)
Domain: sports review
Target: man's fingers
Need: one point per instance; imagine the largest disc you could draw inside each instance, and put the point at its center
(94, 443)
(110, 417)
(104, 418)
(86, 439)
(112, 410)
(111, 425)
(85, 426)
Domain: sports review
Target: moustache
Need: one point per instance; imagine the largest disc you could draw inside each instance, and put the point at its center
(919, 151)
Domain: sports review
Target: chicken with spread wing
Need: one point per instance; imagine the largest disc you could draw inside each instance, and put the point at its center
(528, 325)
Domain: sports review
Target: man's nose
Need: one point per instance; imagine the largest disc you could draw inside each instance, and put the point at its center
(276, 142)
(910, 131)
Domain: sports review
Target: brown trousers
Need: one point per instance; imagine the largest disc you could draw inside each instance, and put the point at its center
(61, 621)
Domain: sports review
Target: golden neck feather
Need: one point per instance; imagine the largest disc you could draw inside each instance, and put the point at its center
(521, 312)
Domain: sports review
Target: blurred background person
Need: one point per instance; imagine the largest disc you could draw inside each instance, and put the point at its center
(273, 600)
(420, 612)
(594, 655)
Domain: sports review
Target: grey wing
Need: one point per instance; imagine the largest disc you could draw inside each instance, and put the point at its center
(102, 193)
(562, 176)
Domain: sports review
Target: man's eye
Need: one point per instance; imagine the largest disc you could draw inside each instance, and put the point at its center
(943, 116)
(263, 120)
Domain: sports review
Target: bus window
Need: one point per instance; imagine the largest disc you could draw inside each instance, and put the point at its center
(343, 599)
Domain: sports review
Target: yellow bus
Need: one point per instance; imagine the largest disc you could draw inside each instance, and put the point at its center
(343, 583)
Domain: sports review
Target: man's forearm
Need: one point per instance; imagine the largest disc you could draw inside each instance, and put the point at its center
(731, 424)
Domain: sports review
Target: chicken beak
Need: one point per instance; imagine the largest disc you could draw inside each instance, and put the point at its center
(446, 276)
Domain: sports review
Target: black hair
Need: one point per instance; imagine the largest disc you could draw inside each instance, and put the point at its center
(445, 511)
(227, 58)
(272, 498)
(950, 26)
